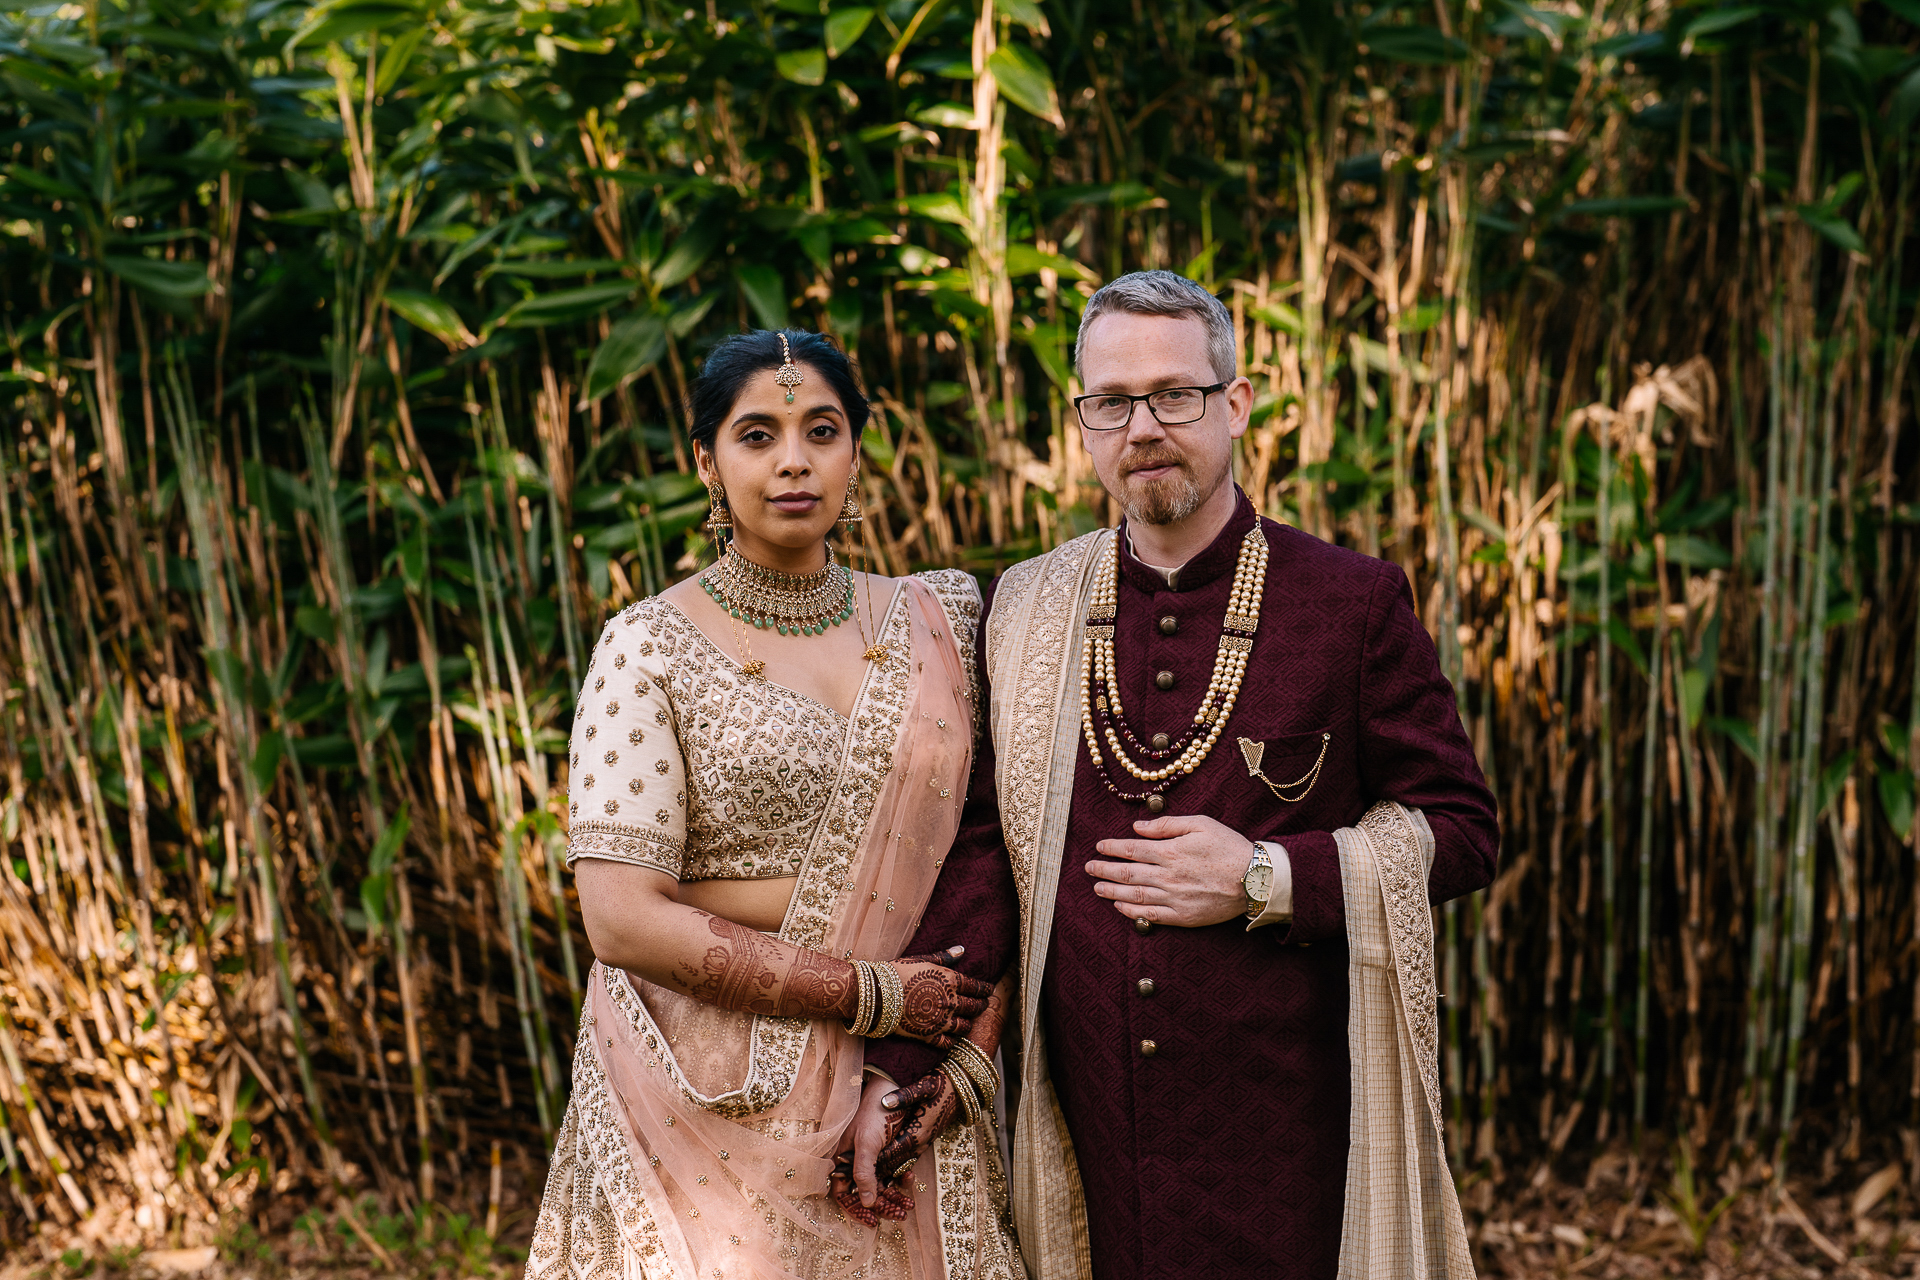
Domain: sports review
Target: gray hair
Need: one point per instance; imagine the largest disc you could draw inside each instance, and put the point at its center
(1164, 293)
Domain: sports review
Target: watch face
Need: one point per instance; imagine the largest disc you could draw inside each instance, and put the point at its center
(1260, 883)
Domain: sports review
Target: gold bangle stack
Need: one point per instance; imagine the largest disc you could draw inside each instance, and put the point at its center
(974, 1080)
(893, 999)
(979, 1068)
(862, 1024)
(883, 999)
(963, 1090)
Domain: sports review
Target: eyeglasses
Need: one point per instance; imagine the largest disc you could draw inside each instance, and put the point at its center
(1171, 407)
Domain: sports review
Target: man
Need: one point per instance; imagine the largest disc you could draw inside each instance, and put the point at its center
(1228, 777)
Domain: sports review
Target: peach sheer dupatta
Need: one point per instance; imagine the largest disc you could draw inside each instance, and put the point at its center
(728, 1123)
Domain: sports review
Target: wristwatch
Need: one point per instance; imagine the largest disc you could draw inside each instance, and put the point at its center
(1258, 881)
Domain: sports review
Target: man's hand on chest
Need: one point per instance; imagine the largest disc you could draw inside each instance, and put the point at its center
(1186, 871)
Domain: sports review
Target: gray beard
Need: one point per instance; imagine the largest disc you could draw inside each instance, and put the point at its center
(1167, 501)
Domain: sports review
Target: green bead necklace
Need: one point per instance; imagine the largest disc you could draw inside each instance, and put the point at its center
(790, 604)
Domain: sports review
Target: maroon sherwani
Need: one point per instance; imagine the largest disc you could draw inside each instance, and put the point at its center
(1224, 1153)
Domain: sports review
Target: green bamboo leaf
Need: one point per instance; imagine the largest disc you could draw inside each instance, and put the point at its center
(1416, 44)
(396, 58)
(919, 19)
(947, 115)
(695, 245)
(266, 759)
(1025, 260)
(563, 305)
(1278, 315)
(802, 66)
(761, 286)
(435, 315)
(630, 349)
(1624, 206)
(1739, 733)
(940, 206)
(1834, 228)
(1834, 777)
(1713, 21)
(37, 181)
(413, 559)
(1025, 82)
(178, 280)
(687, 317)
(845, 27)
(1026, 13)
(1896, 801)
(343, 19)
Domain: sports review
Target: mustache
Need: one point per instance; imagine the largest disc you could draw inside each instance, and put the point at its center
(1141, 457)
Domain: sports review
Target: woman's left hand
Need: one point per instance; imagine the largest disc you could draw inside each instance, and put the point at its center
(864, 1196)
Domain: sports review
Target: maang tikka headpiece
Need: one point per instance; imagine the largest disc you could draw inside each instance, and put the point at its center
(788, 374)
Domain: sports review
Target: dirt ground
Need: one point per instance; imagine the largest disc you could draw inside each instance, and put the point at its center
(1623, 1221)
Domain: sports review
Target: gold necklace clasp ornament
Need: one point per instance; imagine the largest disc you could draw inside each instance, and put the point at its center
(788, 375)
(1256, 751)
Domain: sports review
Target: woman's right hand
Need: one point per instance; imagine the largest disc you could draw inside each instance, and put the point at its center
(941, 1003)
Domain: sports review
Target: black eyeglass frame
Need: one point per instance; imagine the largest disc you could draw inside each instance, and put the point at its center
(1080, 401)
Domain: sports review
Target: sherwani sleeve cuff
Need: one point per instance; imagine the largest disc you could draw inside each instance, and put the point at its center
(1279, 908)
(1318, 898)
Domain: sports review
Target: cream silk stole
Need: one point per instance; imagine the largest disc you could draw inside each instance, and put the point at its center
(1402, 1215)
(698, 1142)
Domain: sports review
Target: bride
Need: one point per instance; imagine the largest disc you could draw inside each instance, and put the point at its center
(767, 768)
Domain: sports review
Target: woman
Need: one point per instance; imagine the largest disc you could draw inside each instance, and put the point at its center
(768, 762)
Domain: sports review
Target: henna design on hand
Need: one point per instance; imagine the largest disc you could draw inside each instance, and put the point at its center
(941, 1003)
(737, 971)
(926, 1108)
(892, 1202)
(822, 985)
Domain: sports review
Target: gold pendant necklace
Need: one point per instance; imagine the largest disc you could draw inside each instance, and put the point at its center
(1102, 716)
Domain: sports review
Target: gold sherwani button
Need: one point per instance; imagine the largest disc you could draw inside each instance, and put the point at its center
(1169, 625)
(1148, 1048)
(1143, 925)
(1160, 741)
(1164, 680)
(1144, 986)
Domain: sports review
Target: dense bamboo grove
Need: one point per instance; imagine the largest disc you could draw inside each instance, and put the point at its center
(346, 352)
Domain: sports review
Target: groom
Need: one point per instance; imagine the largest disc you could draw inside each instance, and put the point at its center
(1223, 778)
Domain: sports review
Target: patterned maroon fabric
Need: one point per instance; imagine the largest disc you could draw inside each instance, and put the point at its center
(1224, 1154)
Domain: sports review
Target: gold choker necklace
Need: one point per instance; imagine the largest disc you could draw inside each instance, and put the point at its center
(1101, 714)
(792, 604)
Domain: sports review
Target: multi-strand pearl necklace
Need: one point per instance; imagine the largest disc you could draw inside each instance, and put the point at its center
(1102, 716)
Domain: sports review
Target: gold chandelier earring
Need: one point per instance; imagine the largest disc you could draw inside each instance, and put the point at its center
(719, 515)
(850, 512)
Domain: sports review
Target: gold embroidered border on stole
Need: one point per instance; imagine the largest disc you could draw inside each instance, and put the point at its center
(1402, 1214)
(1033, 647)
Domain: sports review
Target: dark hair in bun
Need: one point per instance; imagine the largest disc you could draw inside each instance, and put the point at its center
(757, 353)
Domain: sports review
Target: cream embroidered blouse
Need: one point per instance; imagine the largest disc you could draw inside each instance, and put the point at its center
(682, 764)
